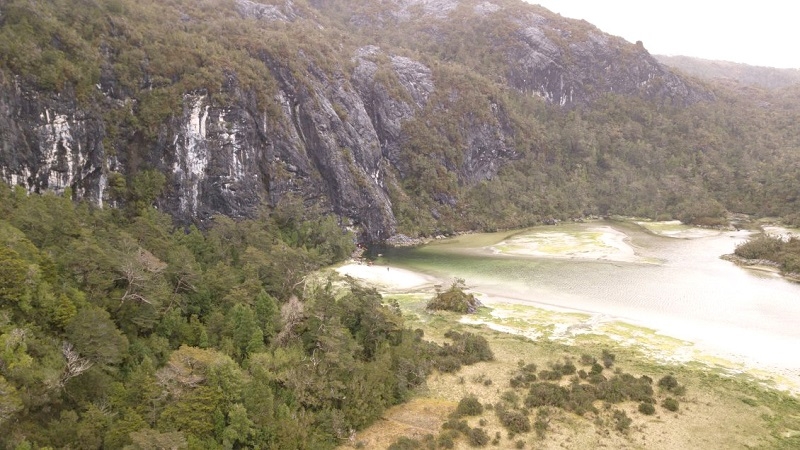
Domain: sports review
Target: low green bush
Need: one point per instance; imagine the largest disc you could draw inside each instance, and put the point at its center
(477, 437)
(608, 359)
(455, 299)
(466, 349)
(622, 422)
(550, 375)
(762, 247)
(547, 394)
(446, 439)
(670, 404)
(469, 406)
(405, 443)
(513, 420)
(647, 408)
(542, 422)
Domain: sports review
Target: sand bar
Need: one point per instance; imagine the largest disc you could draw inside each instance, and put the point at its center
(387, 278)
(595, 243)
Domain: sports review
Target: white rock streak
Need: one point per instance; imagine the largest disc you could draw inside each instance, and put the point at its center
(60, 161)
(192, 159)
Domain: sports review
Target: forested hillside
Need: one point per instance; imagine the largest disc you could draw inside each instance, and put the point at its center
(383, 113)
(118, 329)
(176, 169)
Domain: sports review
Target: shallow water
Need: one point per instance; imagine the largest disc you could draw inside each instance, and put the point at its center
(676, 286)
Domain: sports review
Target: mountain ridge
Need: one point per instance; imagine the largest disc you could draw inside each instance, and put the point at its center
(747, 74)
(383, 114)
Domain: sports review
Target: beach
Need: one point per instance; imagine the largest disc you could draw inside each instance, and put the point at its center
(387, 278)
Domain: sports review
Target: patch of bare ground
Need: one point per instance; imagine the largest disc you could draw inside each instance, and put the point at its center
(414, 419)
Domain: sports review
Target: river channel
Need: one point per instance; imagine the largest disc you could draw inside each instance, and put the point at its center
(666, 278)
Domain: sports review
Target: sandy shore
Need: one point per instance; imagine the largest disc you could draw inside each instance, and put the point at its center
(596, 243)
(387, 278)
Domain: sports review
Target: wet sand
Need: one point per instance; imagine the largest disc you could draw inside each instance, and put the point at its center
(387, 278)
(597, 243)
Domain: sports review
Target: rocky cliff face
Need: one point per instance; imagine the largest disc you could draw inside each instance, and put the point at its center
(48, 142)
(331, 133)
(591, 64)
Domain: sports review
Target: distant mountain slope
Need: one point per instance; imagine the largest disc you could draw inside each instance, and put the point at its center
(767, 77)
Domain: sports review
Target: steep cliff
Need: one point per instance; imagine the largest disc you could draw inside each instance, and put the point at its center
(244, 102)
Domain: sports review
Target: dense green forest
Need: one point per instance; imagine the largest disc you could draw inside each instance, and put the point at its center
(120, 330)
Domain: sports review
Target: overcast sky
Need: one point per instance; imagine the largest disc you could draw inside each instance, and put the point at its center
(759, 33)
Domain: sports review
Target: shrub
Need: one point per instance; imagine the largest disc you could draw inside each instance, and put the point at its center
(582, 397)
(447, 364)
(596, 369)
(446, 439)
(519, 444)
(647, 408)
(624, 387)
(455, 299)
(596, 378)
(404, 443)
(469, 406)
(608, 359)
(588, 360)
(670, 383)
(547, 394)
(550, 375)
(525, 376)
(621, 421)
(542, 422)
(477, 437)
(762, 247)
(510, 397)
(469, 347)
(670, 404)
(456, 425)
(513, 420)
(568, 368)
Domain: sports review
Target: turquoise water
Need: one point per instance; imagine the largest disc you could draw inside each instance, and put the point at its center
(679, 287)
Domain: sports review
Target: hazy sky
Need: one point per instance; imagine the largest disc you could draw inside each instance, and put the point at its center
(760, 32)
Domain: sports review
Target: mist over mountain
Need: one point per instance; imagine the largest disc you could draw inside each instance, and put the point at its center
(745, 74)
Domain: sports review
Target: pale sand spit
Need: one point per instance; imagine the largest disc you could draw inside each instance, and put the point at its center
(387, 278)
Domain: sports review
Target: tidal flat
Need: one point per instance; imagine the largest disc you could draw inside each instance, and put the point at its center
(731, 401)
